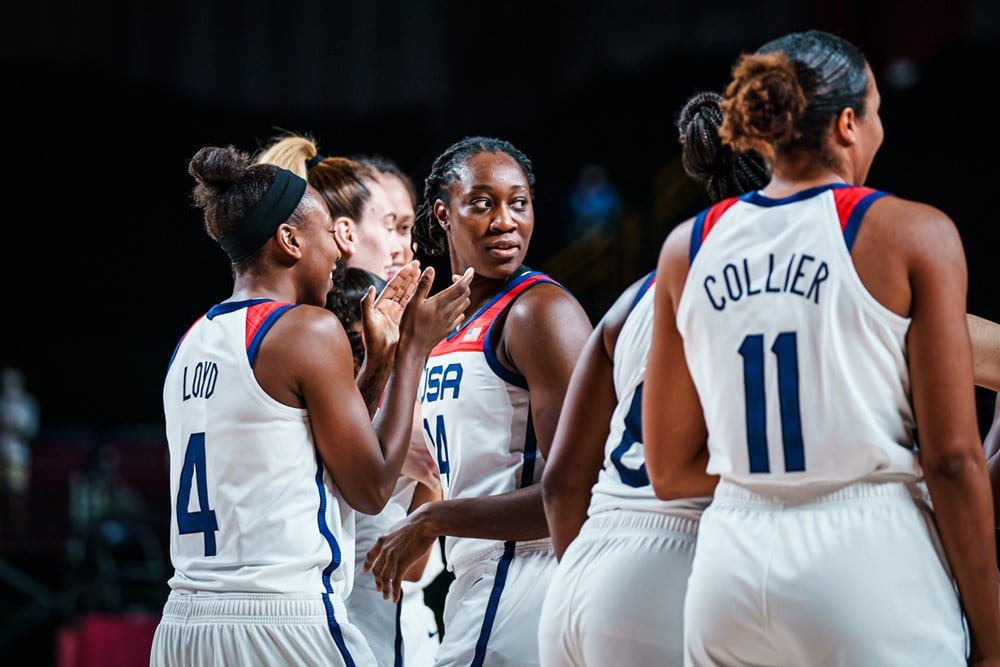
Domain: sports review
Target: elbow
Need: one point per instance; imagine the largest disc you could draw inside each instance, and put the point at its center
(666, 486)
(368, 506)
(553, 488)
(370, 499)
(957, 464)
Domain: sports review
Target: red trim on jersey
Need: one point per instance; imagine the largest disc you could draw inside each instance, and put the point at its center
(846, 199)
(256, 314)
(713, 215)
(470, 337)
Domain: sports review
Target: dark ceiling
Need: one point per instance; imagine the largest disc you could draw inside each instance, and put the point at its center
(106, 263)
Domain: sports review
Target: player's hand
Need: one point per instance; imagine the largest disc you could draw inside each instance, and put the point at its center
(381, 315)
(396, 551)
(427, 320)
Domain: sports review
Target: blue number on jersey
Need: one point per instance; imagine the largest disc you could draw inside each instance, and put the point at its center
(202, 521)
(440, 445)
(786, 352)
(634, 477)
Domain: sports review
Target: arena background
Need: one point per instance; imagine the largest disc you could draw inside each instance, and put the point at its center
(105, 262)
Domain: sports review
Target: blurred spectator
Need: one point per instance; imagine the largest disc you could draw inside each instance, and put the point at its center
(19, 424)
(594, 203)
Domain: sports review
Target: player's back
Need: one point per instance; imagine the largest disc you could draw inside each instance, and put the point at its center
(253, 508)
(801, 373)
(623, 483)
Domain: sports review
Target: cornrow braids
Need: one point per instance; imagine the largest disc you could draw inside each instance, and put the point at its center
(427, 233)
(707, 159)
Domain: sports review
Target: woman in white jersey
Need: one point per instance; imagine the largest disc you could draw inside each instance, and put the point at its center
(625, 555)
(365, 220)
(403, 633)
(490, 399)
(805, 332)
(272, 445)
(418, 625)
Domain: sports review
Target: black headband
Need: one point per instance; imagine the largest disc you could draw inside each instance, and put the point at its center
(274, 208)
(314, 160)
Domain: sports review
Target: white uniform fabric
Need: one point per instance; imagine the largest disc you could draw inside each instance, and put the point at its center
(477, 421)
(254, 510)
(418, 622)
(603, 606)
(403, 633)
(263, 630)
(801, 373)
(494, 605)
(817, 548)
(377, 618)
(857, 577)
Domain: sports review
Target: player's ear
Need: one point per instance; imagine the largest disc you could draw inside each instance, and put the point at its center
(288, 242)
(441, 214)
(845, 127)
(345, 234)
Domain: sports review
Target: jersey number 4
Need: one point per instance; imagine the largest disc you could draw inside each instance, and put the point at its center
(786, 353)
(193, 471)
(440, 441)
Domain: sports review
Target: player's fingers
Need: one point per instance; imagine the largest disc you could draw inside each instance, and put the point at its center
(424, 284)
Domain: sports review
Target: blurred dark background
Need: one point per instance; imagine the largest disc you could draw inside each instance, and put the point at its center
(106, 263)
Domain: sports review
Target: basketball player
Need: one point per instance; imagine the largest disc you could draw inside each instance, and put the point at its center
(806, 331)
(272, 445)
(396, 632)
(418, 626)
(363, 215)
(624, 555)
(373, 213)
(490, 399)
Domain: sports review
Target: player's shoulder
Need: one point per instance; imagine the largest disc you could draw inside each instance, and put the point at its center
(540, 296)
(899, 220)
(309, 322)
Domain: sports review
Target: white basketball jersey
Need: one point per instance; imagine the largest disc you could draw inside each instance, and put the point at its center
(623, 482)
(801, 373)
(253, 508)
(476, 414)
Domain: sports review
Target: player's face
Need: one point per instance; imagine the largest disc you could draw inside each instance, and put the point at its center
(402, 204)
(320, 252)
(377, 247)
(871, 131)
(490, 217)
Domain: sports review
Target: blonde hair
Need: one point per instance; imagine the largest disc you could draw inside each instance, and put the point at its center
(291, 151)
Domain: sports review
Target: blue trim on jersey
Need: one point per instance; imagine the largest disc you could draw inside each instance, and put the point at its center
(231, 306)
(696, 231)
(854, 220)
(265, 326)
(324, 527)
(642, 290)
(398, 645)
(757, 198)
(512, 282)
(336, 632)
(493, 604)
(504, 374)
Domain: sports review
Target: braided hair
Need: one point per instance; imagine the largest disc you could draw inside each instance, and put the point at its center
(427, 233)
(724, 172)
